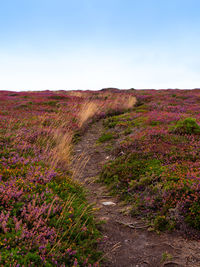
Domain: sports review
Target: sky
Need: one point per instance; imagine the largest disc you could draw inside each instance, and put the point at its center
(94, 44)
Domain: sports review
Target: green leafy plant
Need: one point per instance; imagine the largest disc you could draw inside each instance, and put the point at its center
(160, 223)
(186, 126)
(106, 137)
(166, 256)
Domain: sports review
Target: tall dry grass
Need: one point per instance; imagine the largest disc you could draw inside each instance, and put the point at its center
(59, 154)
(130, 102)
(59, 136)
(122, 102)
(57, 139)
(49, 135)
(76, 93)
(52, 134)
(87, 111)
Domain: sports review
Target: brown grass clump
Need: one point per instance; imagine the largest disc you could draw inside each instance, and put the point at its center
(76, 93)
(88, 110)
(130, 102)
(59, 155)
(122, 102)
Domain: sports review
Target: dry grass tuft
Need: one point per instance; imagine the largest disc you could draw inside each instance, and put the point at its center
(76, 94)
(130, 102)
(122, 102)
(59, 155)
(88, 110)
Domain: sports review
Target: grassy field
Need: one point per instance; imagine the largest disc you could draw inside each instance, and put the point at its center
(44, 217)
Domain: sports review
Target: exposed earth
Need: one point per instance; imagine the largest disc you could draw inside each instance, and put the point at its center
(127, 240)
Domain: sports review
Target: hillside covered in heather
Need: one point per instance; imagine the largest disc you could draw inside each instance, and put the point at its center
(146, 151)
(44, 217)
(157, 166)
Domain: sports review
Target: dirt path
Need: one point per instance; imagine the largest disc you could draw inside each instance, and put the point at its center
(126, 246)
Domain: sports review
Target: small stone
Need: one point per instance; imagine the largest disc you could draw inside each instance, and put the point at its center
(108, 203)
(104, 218)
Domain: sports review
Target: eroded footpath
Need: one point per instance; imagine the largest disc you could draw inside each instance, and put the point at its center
(127, 242)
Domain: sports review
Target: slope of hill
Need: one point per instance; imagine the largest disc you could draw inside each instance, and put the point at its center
(54, 145)
(44, 217)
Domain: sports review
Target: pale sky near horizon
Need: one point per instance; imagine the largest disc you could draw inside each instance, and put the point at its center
(93, 44)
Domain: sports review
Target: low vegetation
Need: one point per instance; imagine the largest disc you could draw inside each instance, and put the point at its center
(156, 165)
(44, 217)
(186, 126)
(105, 137)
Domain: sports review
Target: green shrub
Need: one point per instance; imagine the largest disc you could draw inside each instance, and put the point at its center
(51, 103)
(58, 97)
(127, 131)
(186, 126)
(77, 137)
(160, 223)
(111, 122)
(155, 123)
(105, 137)
(134, 167)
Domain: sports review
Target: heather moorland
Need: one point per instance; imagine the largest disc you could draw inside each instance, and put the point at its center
(156, 165)
(153, 137)
(44, 216)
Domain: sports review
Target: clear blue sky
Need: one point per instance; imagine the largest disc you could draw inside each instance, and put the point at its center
(91, 44)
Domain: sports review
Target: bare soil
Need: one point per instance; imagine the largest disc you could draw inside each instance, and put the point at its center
(127, 241)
